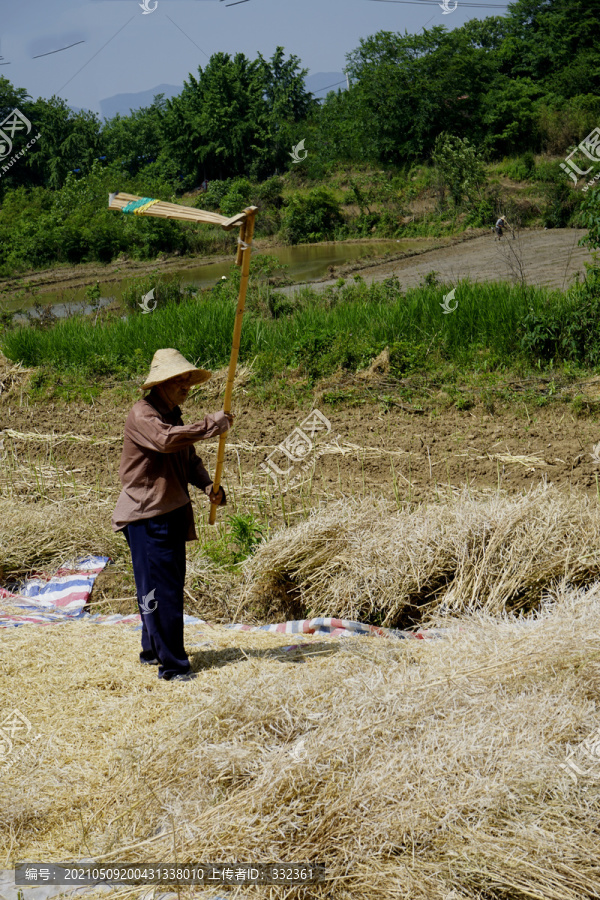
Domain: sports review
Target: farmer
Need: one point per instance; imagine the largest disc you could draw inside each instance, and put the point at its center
(500, 225)
(154, 509)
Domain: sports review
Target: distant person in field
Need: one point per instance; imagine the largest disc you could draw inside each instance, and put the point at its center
(154, 510)
(501, 224)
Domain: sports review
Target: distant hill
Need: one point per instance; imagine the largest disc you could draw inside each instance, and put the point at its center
(318, 84)
(123, 103)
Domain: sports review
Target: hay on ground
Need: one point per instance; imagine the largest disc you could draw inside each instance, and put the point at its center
(44, 535)
(362, 560)
(409, 769)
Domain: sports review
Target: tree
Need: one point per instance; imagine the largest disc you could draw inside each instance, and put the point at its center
(288, 104)
(218, 123)
(459, 167)
(590, 217)
(69, 141)
(409, 88)
(11, 97)
(135, 140)
(555, 43)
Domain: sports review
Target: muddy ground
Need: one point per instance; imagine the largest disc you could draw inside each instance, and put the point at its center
(541, 257)
(536, 257)
(65, 277)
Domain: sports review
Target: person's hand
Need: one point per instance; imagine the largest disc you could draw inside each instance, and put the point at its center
(219, 497)
(230, 417)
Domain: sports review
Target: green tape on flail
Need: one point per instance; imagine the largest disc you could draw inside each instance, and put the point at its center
(140, 206)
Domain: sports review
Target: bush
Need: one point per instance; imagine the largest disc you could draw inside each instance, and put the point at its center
(569, 332)
(521, 168)
(166, 290)
(407, 356)
(211, 198)
(561, 203)
(268, 194)
(590, 217)
(237, 197)
(311, 217)
(459, 167)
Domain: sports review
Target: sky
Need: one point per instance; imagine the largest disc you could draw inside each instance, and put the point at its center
(119, 48)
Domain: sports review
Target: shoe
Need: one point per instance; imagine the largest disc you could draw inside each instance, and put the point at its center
(149, 662)
(185, 676)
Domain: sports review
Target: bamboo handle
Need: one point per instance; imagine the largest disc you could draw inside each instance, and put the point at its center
(240, 250)
(246, 234)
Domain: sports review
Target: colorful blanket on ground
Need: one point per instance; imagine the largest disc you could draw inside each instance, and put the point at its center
(46, 599)
(329, 626)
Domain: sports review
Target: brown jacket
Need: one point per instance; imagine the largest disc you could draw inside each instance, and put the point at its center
(159, 461)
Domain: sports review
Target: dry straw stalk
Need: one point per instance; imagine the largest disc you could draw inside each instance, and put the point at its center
(409, 769)
(362, 561)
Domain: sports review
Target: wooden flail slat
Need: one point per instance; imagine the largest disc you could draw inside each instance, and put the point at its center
(146, 206)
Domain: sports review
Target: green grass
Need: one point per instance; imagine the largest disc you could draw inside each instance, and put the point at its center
(495, 326)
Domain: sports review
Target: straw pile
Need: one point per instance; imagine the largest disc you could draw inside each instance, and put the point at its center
(12, 375)
(358, 560)
(43, 535)
(422, 770)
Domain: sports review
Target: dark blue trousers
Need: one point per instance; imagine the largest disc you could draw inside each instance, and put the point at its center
(158, 554)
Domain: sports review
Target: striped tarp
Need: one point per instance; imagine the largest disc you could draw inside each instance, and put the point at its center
(46, 599)
(322, 625)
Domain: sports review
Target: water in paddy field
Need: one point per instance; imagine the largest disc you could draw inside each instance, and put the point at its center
(305, 262)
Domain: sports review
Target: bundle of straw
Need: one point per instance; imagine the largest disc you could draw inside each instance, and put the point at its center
(361, 561)
(43, 535)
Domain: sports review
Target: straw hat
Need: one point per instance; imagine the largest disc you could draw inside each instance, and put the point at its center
(170, 363)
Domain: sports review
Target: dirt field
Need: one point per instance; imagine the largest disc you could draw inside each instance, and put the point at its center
(550, 258)
(378, 444)
(540, 257)
(512, 445)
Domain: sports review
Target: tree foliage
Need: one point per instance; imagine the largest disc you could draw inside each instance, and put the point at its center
(521, 83)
